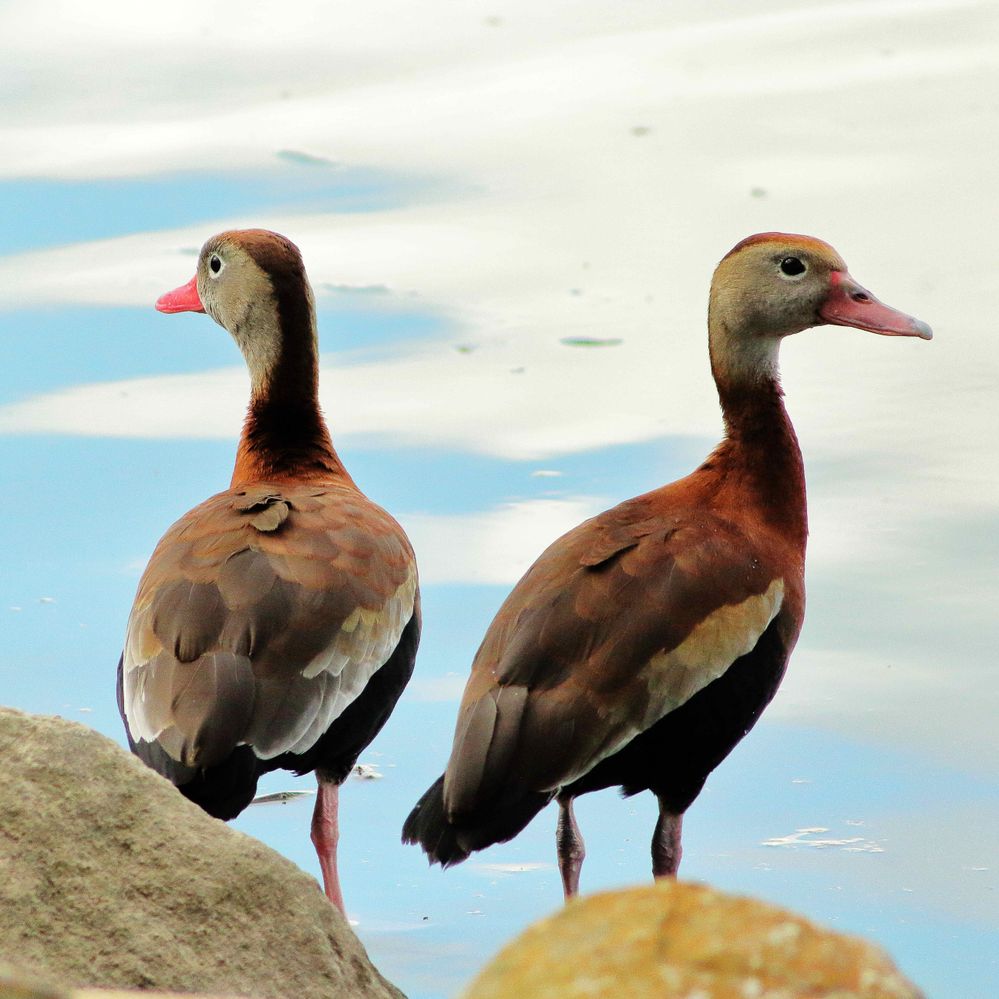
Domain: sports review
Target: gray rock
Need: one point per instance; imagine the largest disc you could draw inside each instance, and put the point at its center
(109, 877)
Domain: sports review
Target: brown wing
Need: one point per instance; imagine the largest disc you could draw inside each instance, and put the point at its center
(618, 622)
(261, 615)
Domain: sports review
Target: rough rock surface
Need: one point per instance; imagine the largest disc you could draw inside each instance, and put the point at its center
(109, 877)
(16, 984)
(686, 940)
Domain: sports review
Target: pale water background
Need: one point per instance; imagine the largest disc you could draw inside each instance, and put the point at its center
(476, 188)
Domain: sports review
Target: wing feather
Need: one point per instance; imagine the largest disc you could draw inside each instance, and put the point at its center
(258, 627)
(619, 622)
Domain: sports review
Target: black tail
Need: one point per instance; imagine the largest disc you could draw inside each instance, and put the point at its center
(428, 826)
(223, 791)
(448, 842)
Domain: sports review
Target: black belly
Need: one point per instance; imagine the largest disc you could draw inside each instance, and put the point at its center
(675, 756)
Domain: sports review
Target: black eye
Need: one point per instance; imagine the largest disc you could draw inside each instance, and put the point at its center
(792, 266)
(215, 264)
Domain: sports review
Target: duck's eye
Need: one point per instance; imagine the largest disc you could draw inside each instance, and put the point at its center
(215, 264)
(792, 267)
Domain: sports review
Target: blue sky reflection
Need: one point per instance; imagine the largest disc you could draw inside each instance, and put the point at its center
(469, 200)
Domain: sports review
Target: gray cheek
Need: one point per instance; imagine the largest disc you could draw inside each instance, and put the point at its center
(206, 292)
(216, 308)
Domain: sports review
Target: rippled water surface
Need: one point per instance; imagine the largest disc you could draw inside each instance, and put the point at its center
(510, 215)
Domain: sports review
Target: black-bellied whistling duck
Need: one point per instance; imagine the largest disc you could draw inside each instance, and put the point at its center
(644, 644)
(277, 623)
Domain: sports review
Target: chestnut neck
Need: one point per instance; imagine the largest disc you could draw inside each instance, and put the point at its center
(759, 461)
(284, 434)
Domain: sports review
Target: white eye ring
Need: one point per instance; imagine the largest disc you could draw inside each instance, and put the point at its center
(792, 268)
(215, 265)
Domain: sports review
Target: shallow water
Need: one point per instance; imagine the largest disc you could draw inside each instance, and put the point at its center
(510, 221)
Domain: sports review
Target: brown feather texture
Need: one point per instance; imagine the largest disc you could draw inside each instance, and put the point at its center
(277, 623)
(644, 644)
(265, 617)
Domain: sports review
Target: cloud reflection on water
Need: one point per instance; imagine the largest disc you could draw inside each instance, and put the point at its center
(501, 184)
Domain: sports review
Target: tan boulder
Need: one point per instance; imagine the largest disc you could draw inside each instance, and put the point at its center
(16, 984)
(109, 877)
(685, 940)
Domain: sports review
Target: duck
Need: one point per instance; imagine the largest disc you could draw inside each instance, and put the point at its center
(277, 623)
(644, 644)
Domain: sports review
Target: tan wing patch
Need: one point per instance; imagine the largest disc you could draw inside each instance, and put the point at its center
(675, 676)
(711, 647)
(337, 675)
(301, 594)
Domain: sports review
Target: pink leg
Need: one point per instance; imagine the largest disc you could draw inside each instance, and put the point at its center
(570, 848)
(666, 848)
(325, 835)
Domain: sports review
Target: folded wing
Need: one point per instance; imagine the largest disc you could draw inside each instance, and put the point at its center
(261, 616)
(618, 623)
